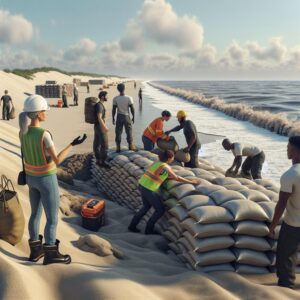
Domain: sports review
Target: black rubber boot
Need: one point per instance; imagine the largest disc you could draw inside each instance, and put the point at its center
(118, 150)
(53, 256)
(36, 249)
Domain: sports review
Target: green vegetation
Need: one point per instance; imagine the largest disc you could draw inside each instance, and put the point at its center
(29, 73)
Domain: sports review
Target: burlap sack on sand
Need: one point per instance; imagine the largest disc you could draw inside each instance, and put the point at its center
(225, 181)
(192, 201)
(246, 269)
(251, 242)
(210, 243)
(206, 189)
(212, 257)
(182, 190)
(252, 228)
(179, 213)
(216, 268)
(269, 208)
(255, 196)
(198, 230)
(251, 257)
(210, 214)
(245, 210)
(222, 196)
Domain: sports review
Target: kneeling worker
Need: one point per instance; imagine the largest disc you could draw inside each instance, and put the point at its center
(149, 185)
(252, 165)
(191, 137)
(155, 131)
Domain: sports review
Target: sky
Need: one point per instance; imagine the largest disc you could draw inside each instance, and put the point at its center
(155, 39)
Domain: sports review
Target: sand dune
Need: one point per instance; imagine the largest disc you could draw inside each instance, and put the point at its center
(147, 271)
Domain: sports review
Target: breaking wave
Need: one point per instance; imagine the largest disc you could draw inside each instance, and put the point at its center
(278, 123)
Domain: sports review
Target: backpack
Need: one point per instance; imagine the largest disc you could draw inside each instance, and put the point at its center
(89, 110)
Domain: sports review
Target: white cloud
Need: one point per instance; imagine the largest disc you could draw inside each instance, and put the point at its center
(158, 22)
(14, 29)
(81, 50)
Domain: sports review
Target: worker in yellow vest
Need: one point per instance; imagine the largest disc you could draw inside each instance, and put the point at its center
(40, 161)
(149, 185)
(155, 131)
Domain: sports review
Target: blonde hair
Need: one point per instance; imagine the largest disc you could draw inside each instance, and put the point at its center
(24, 120)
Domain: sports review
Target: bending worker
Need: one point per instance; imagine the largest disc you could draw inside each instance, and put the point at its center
(40, 161)
(149, 185)
(155, 131)
(123, 104)
(191, 137)
(252, 165)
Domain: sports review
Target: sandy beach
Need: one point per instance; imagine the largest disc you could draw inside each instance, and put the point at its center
(148, 269)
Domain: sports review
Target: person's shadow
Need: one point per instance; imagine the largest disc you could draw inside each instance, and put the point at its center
(12, 255)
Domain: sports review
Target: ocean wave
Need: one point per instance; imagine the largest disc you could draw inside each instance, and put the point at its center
(278, 123)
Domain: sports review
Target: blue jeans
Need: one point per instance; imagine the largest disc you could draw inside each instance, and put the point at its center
(150, 199)
(43, 193)
(148, 144)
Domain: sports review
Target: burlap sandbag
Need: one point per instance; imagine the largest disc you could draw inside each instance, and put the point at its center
(11, 214)
(251, 257)
(252, 243)
(212, 257)
(168, 145)
(182, 156)
(252, 228)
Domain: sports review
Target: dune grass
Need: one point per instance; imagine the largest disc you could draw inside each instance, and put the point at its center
(29, 73)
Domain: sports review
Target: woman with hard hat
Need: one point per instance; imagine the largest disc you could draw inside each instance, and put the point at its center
(155, 131)
(191, 137)
(40, 160)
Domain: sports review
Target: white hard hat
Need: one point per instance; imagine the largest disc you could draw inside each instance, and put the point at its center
(35, 103)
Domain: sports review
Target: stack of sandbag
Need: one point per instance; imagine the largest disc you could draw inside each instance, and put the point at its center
(220, 224)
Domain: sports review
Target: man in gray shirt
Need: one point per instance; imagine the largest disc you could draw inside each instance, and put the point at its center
(123, 104)
(7, 101)
(289, 201)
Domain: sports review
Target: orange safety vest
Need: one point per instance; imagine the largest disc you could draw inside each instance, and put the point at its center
(155, 130)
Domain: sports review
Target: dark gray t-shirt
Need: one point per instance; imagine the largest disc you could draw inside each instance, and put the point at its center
(99, 107)
(6, 99)
(190, 130)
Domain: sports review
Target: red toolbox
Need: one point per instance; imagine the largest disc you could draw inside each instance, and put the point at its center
(93, 214)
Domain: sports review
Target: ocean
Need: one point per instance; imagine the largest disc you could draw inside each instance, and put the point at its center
(273, 97)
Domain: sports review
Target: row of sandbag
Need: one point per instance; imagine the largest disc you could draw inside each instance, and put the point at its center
(239, 207)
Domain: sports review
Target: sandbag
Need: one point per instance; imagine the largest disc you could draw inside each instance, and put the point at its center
(192, 201)
(174, 248)
(169, 236)
(255, 196)
(175, 231)
(173, 221)
(225, 181)
(143, 162)
(252, 228)
(212, 257)
(168, 145)
(184, 244)
(206, 189)
(222, 196)
(170, 203)
(272, 195)
(251, 257)
(269, 208)
(184, 173)
(210, 243)
(90, 110)
(179, 212)
(182, 156)
(198, 230)
(235, 187)
(245, 210)
(244, 181)
(169, 184)
(251, 242)
(210, 214)
(182, 190)
(247, 269)
(12, 113)
(216, 268)
(12, 219)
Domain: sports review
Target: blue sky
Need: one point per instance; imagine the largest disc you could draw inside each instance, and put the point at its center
(193, 39)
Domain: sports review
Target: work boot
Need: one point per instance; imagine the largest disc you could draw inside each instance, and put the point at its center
(132, 147)
(118, 150)
(53, 256)
(36, 249)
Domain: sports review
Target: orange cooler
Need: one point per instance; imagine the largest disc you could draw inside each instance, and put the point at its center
(92, 213)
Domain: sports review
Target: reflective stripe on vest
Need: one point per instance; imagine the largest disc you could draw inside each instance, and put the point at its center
(152, 178)
(152, 133)
(35, 160)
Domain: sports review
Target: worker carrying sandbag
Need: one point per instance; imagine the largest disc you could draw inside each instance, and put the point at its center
(149, 185)
(191, 137)
(155, 131)
(40, 161)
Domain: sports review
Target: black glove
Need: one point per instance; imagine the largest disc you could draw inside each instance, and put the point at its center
(113, 121)
(79, 140)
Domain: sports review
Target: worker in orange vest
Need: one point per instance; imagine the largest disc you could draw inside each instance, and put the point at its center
(155, 131)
